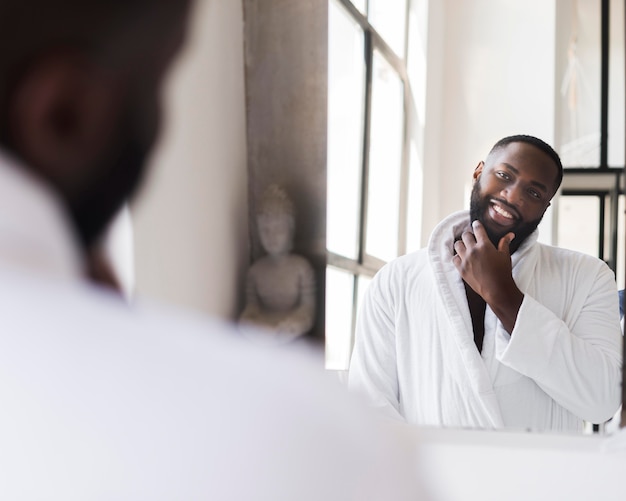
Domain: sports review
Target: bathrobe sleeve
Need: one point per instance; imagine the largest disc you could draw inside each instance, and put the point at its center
(373, 366)
(577, 361)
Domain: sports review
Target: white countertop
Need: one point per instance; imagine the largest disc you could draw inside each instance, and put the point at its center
(509, 466)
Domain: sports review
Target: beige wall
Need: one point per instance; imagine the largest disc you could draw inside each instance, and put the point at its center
(190, 221)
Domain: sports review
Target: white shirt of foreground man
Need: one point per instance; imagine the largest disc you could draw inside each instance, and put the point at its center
(101, 401)
(560, 361)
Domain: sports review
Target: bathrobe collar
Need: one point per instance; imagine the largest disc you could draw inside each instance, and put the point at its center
(472, 373)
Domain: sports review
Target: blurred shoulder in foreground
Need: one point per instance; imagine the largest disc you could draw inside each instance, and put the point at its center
(102, 401)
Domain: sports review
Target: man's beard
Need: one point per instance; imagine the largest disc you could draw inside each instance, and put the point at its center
(119, 174)
(97, 206)
(479, 207)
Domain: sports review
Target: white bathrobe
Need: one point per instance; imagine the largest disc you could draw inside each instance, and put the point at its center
(415, 354)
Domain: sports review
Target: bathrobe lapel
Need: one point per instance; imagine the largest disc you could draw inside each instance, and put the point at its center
(463, 359)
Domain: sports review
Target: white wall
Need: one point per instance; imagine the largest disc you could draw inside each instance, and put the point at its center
(190, 220)
(491, 74)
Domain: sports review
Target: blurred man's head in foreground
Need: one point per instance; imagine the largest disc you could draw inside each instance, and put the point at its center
(79, 95)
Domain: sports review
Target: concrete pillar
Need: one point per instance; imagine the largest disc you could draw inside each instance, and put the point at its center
(286, 54)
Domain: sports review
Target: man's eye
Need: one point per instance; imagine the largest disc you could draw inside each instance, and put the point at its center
(503, 175)
(534, 194)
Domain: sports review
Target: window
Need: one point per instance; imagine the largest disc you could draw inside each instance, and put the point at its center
(584, 223)
(590, 128)
(376, 109)
(371, 175)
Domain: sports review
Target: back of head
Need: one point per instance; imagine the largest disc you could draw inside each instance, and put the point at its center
(113, 32)
(537, 143)
(79, 85)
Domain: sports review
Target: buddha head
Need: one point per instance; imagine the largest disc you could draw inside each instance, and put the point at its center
(276, 221)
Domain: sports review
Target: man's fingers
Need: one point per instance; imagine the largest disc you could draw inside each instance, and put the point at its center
(459, 248)
(469, 240)
(456, 260)
(505, 241)
(479, 232)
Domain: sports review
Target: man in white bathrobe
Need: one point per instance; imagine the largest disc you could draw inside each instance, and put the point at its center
(488, 328)
(102, 401)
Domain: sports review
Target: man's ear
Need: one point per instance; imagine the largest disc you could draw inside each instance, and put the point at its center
(62, 114)
(478, 170)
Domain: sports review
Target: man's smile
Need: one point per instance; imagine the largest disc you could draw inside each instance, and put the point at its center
(502, 213)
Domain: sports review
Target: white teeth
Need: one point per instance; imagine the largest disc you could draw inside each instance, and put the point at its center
(502, 212)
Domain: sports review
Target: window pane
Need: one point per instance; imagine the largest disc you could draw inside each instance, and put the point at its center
(389, 19)
(414, 214)
(616, 85)
(385, 157)
(339, 300)
(621, 244)
(346, 87)
(363, 283)
(578, 74)
(579, 223)
(608, 240)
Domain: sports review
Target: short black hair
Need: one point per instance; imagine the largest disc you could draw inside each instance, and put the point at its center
(111, 31)
(537, 143)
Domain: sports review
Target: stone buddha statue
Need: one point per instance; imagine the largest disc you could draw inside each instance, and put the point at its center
(280, 286)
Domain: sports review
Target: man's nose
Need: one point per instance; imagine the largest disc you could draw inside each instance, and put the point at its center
(513, 194)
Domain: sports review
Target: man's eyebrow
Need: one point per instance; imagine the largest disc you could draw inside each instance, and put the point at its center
(539, 185)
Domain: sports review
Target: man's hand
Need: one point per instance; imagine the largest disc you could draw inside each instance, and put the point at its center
(488, 272)
(486, 269)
